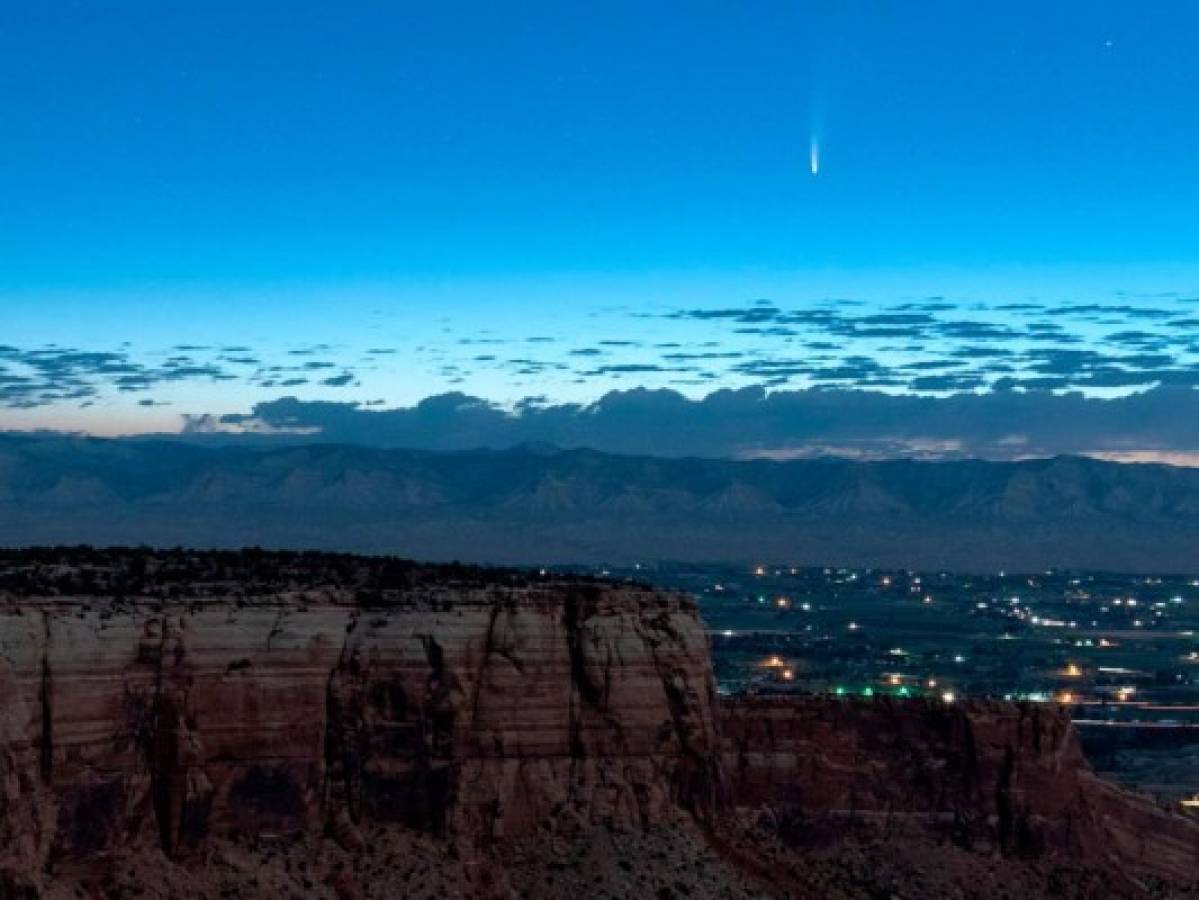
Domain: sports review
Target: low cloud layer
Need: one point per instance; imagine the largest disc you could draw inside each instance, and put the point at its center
(1161, 424)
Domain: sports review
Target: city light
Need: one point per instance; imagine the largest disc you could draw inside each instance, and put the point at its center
(1004, 653)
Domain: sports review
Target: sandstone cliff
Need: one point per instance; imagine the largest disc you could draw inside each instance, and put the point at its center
(995, 776)
(172, 703)
(471, 708)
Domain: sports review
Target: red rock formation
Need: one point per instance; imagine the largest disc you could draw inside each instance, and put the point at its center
(1000, 774)
(476, 709)
(473, 712)
(23, 826)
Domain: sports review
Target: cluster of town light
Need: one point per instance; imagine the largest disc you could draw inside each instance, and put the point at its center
(1015, 608)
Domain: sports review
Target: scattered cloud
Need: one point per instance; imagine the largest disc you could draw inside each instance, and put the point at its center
(31, 378)
(933, 348)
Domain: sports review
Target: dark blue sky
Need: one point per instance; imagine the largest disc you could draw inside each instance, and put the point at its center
(281, 175)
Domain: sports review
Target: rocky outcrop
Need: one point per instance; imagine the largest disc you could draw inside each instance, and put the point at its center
(161, 708)
(23, 826)
(996, 776)
(471, 711)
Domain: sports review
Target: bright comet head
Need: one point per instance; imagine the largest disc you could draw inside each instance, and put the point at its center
(814, 157)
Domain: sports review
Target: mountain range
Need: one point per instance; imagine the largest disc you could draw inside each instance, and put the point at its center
(537, 504)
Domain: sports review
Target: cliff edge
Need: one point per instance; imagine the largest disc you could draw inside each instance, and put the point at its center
(174, 706)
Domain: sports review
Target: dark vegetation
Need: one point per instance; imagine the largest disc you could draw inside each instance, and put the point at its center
(126, 573)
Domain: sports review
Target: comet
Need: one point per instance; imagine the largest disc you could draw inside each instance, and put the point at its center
(814, 157)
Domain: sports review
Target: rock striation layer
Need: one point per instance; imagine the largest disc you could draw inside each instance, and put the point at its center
(471, 708)
(174, 701)
(993, 775)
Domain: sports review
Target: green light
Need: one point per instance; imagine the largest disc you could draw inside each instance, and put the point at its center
(902, 692)
(840, 691)
(867, 692)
